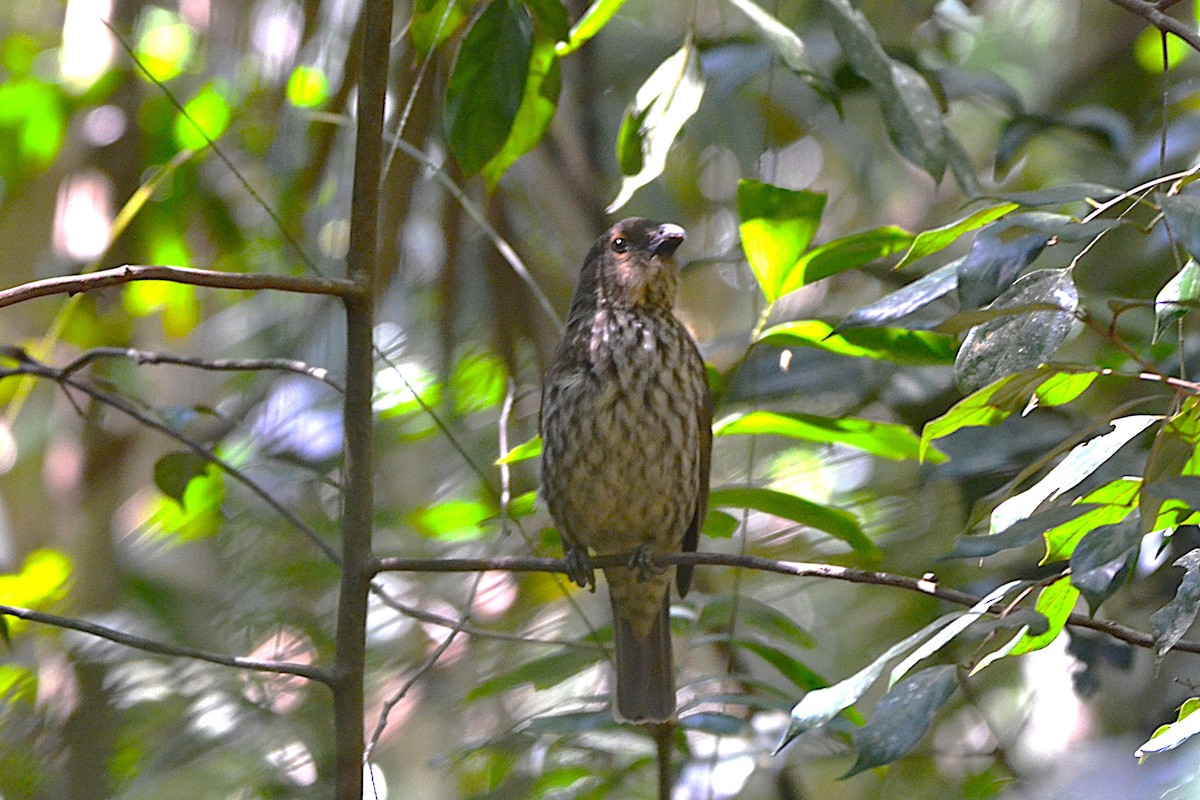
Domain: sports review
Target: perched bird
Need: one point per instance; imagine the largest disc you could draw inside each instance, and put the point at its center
(626, 424)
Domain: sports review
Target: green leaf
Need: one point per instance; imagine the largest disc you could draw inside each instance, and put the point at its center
(16, 682)
(42, 581)
(796, 672)
(477, 383)
(1019, 534)
(719, 525)
(902, 302)
(204, 118)
(174, 471)
(1182, 212)
(453, 520)
(786, 44)
(1107, 505)
(719, 613)
(1104, 559)
(592, 22)
(846, 253)
(884, 439)
(714, 723)
(991, 405)
(1168, 304)
(668, 99)
(1061, 195)
(1172, 621)
(902, 718)
(777, 226)
(1078, 464)
(196, 512)
(1173, 453)
(937, 239)
(913, 348)
(821, 705)
(522, 452)
(841, 524)
(538, 103)
(1168, 737)
(543, 672)
(1002, 251)
(569, 724)
(1055, 603)
(1012, 344)
(487, 83)
(435, 21)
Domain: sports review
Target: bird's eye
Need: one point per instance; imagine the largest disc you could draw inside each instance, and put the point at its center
(620, 245)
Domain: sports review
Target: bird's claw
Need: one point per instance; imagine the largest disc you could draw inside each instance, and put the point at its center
(642, 562)
(579, 568)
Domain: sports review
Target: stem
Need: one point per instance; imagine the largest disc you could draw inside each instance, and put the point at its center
(360, 376)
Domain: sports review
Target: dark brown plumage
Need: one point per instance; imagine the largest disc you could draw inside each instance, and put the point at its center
(627, 436)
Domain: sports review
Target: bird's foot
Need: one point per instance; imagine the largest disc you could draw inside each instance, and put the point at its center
(642, 562)
(579, 568)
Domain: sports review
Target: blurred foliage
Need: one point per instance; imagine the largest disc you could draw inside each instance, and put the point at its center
(1023, 161)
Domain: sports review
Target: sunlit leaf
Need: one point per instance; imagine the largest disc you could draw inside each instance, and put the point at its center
(523, 452)
(1172, 621)
(1020, 533)
(884, 439)
(937, 239)
(1012, 344)
(204, 119)
(1169, 304)
(1168, 737)
(307, 86)
(846, 253)
(42, 580)
(1078, 464)
(487, 83)
(477, 383)
(1173, 453)
(902, 302)
(1106, 505)
(902, 717)
(913, 348)
(719, 525)
(453, 520)
(33, 123)
(592, 22)
(1103, 560)
(194, 514)
(174, 471)
(1055, 603)
(668, 99)
(839, 523)
(1148, 50)
(165, 44)
(777, 226)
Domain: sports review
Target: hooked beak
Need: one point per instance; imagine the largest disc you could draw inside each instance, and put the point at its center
(666, 240)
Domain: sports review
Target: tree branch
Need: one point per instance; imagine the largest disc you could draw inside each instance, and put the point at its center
(251, 281)
(308, 671)
(213, 364)
(801, 569)
(1153, 14)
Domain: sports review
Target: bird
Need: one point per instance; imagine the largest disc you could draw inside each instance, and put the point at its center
(626, 425)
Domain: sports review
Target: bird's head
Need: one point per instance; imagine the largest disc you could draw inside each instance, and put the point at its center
(632, 265)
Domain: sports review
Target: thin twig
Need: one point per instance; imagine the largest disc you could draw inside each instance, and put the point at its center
(213, 364)
(796, 568)
(1153, 14)
(308, 671)
(252, 281)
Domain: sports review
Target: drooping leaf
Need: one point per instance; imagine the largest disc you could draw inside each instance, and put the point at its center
(1182, 212)
(668, 99)
(834, 521)
(1171, 621)
(1001, 252)
(790, 667)
(777, 226)
(592, 22)
(1078, 464)
(781, 39)
(821, 705)
(937, 239)
(1172, 454)
(526, 450)
(912, 348)
(884, 439)
(846, 253)
(720, 612)
(902, 302)
(991, 405)
(487, 83)
(1103, 560)
(1023, 532)
(1012, 344)
(1168, 737)
(1170, 303)
(902, 718)
(1055, 603)
(1108, 505)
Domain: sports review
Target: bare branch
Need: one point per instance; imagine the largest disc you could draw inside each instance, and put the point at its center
(250, 281)
(165, 649)
(796, 568)
(1152, 13)
(214, 364)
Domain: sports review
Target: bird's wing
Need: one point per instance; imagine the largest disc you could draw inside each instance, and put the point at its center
(691, 538)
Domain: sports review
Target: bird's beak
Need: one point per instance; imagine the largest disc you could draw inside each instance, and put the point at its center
(666, 240)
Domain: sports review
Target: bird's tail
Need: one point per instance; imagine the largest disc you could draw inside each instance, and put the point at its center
(645, 668)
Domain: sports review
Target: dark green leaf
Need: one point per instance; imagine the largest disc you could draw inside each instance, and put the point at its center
(913, 348)
(1001, 252)
(174, 471)
(937, 239)
(884, 439)
(487, 83)
(1169, 305)
(718, 615)
(1018, 534)
(902, 717)
(903, 302)
(668, 99)
(1181, 487)
(719, 525)
(1172, 621)
(1103, 560)
(714, 723)
(1060, 195)
(777, 226)
(796, 672)
(569, 724)
(1182, 212)
(846, 253)
(841, 524)
(543, 672)
(1173, 450)
(1013, 344)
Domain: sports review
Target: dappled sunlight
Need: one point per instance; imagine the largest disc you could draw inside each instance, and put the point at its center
(83, 217)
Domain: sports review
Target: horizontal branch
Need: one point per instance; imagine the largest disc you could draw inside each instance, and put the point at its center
(163, 648)
(1153, 14)
(211, 364)
(796, 568)
(251, 281)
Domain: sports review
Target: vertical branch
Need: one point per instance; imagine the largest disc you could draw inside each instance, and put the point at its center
(358, 499)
